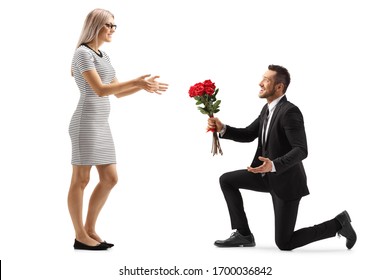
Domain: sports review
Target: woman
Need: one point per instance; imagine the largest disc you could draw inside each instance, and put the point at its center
(92, 143)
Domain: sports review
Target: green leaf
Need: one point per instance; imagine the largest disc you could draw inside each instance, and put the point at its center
(202, 110)
(216, 105)
(216, 91)
(199, 102)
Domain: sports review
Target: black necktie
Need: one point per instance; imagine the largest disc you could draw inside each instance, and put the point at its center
(265, 125)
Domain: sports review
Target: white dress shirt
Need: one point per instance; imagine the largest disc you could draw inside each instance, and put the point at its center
(271, 108)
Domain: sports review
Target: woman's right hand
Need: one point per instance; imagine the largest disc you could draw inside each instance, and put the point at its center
(145, 84)
(159, 87)
(150, 84)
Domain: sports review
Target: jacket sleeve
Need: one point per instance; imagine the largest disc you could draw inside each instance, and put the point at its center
(247, 134)
(294, 129)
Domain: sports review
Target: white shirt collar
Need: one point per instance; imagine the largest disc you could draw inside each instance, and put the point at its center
(272, 105)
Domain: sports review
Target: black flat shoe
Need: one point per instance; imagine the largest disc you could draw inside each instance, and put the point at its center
(109, 245)
(346, 229)
(81, 246)
(237, 240)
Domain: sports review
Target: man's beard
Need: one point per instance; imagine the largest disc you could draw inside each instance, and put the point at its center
(268, 94)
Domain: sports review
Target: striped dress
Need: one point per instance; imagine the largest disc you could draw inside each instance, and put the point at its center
(89, 130)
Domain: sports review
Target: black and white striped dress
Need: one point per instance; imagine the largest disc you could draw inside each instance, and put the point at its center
(89, 130)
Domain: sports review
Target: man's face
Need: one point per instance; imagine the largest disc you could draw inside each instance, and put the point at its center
(267, 85)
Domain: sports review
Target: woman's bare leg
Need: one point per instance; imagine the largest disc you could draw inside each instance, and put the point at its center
(80, 179)
(108, 179)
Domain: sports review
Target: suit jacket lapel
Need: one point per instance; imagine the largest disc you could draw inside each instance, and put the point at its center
(274, 115)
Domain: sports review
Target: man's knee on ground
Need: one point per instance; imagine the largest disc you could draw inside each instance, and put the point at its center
(283, 245)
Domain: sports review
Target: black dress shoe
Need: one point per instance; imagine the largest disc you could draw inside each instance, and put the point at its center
(237, 240)
(81, 246)
(346, 229)
(109, 245)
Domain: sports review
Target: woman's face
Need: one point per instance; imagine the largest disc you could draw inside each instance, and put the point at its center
(105, 34)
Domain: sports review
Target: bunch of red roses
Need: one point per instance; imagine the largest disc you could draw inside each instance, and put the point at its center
(206, 94)
(207, 87)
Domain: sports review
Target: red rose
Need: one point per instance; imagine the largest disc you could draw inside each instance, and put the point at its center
(209, 83)
(198, 89)
(192, 91)
(209, 90)
(209, 87)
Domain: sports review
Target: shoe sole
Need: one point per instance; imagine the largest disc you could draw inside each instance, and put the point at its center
(235, 246)
(249, 245)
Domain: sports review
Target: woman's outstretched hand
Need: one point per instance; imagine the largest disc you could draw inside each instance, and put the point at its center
(150, 84)
(143, 83)
(158, 87)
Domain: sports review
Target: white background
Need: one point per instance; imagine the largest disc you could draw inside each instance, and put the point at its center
(167, 208)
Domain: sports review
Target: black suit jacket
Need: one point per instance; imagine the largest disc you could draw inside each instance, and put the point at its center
(285, 145)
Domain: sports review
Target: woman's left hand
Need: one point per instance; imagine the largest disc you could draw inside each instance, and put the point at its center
(158, 87)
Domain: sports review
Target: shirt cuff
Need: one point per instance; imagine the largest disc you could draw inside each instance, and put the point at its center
(223, 130)
(273, 167)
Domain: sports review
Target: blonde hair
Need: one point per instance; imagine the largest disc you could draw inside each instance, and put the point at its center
(94, 21)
